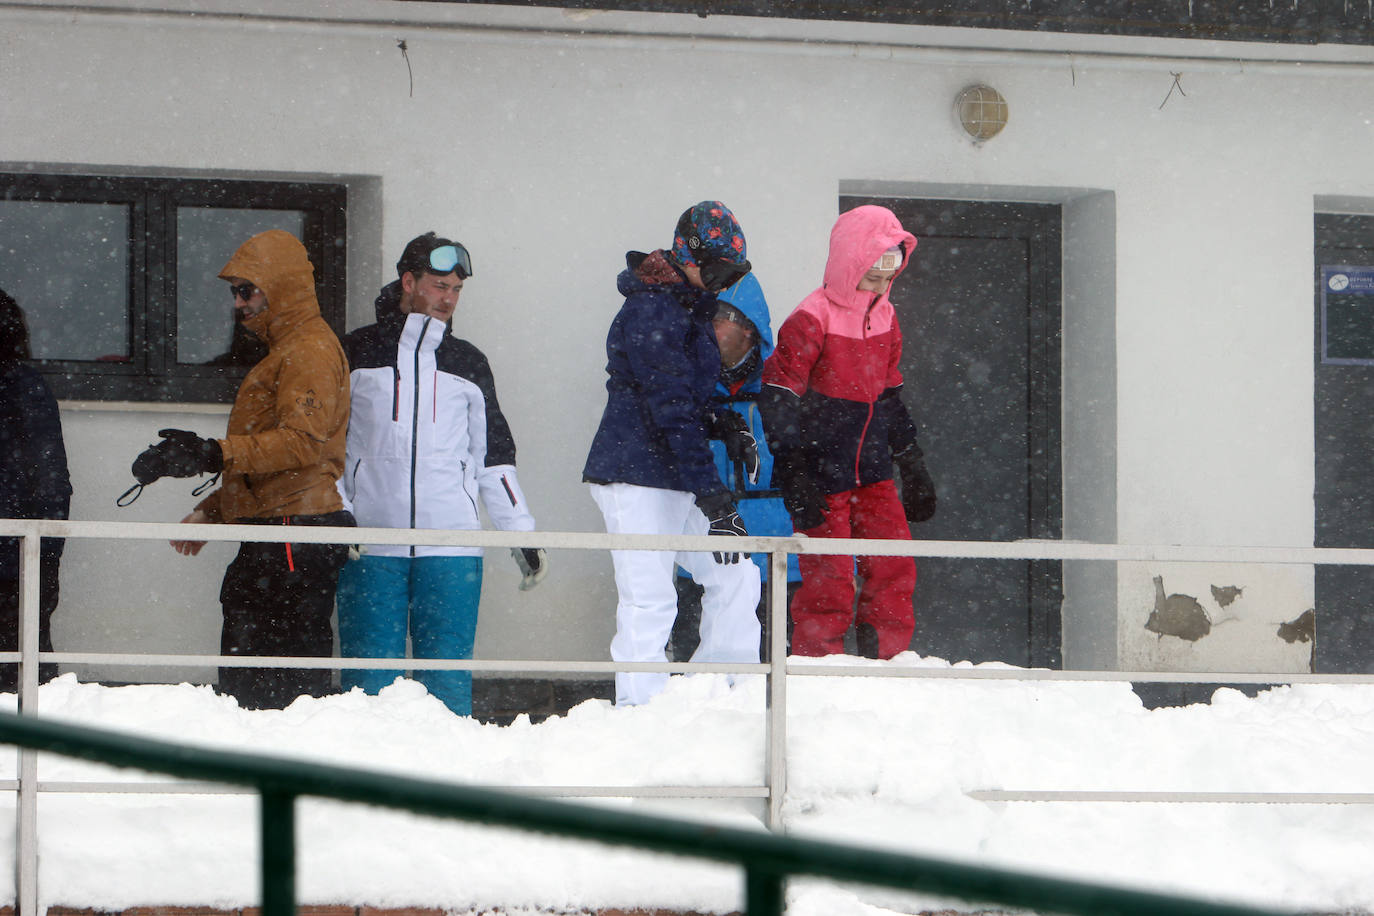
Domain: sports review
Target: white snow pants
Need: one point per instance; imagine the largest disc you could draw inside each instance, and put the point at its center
(648, 597)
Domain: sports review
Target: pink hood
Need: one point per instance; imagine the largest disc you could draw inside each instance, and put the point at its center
(859, 237)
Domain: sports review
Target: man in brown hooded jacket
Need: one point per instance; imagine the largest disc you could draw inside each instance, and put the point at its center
(281, 459)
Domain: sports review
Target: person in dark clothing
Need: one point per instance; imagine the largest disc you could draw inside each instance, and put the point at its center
(650, 466)
(281, 457)
(34, 483)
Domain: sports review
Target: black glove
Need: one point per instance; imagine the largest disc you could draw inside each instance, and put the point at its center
(179, 454)
(533, 563)
(720, 511)
(740, 446)
(918, 489)
(801, 494)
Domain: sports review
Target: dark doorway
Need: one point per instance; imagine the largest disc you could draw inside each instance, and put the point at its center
(1343, 397)
(980, 317)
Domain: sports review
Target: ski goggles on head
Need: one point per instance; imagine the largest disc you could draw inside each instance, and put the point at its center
(889, 260)
(718, 274)
(447, 258)
(727, 312)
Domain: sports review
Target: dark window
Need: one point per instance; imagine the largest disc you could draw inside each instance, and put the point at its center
(118, 277)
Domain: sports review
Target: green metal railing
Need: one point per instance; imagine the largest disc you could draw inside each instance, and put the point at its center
(767, 859)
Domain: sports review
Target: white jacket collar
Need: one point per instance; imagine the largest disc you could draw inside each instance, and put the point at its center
(423, 331)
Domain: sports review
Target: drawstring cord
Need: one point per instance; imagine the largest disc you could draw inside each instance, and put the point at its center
(290, 560)
(125, 499)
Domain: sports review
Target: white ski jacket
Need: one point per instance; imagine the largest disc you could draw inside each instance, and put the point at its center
(426, 437)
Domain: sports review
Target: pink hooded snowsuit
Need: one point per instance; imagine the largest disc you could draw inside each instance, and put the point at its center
(838, 354)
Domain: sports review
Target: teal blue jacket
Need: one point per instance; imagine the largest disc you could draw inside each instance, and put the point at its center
(760, 503)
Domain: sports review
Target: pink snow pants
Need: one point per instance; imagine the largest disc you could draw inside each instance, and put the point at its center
(823, 607)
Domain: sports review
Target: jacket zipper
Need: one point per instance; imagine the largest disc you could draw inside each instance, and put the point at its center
(415, 425)
(396, 395)
(863, 434)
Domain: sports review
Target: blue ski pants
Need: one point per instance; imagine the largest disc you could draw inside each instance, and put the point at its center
(434, 599)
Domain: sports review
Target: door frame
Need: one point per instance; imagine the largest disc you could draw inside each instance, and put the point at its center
(1041, 226)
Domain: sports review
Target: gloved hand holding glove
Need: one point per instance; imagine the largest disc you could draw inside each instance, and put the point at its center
(720, 511)
(533, 563)
(801, 494)
(740, 445)
(918, 489)
(179, 454)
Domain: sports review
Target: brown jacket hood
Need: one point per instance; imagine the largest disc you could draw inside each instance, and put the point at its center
(284, 448)
(277, 263)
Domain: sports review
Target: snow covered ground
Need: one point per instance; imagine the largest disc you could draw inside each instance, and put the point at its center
(879, 761)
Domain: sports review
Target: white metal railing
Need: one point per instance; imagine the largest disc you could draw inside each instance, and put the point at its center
(776, 670)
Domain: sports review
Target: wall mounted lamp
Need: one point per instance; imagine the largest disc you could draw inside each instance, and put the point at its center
(982, 111)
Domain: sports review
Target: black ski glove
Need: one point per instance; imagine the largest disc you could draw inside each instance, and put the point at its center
(740, 446)
(720, 511)
(918, 489)
(533, 563)
(179, 454)
(801, 494)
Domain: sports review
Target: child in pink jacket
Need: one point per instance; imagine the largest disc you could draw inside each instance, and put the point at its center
(837, 425)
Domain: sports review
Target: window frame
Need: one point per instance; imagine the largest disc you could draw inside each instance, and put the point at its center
(152, 373)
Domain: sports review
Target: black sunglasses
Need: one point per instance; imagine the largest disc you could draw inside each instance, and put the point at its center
(720, 274)
(243, 291)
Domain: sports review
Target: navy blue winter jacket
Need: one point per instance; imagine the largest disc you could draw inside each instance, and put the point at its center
(662, 364)
(34, 482)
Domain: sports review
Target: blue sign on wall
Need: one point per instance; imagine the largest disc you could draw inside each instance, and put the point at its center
(1347, 315)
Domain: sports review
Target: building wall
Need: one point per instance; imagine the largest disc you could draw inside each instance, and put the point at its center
(551, 142)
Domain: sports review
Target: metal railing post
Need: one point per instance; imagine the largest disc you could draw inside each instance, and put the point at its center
(26, 879)
(776, 776)
(277, 825)
(763, 892)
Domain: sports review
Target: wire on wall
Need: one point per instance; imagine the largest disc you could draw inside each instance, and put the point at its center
(411, 73)
(1176, 85)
